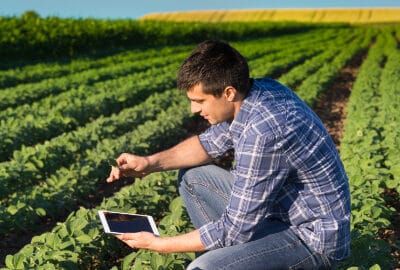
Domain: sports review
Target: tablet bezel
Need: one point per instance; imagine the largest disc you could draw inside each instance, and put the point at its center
(106, 227)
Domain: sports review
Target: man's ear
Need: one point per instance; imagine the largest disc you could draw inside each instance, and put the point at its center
(230, 93)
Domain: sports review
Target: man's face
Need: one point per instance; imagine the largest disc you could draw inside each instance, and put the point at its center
(214, 109)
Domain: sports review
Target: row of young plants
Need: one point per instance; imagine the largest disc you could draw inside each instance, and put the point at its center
(63, 113)
(390, 91)
(31, 92)
(35, 72)
(32, 165)
(30, 73)
(294, 60)
(49, 102)
(364, 158)
(63, 190)
(310, 88)
(297, 75)
(26, 76)
(272, 46)
(53, 116)
(18, 205)
(80, 242)
(54, 154)
(19, 165)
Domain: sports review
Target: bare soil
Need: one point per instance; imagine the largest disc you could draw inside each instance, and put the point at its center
(331, 108)
(331, 105)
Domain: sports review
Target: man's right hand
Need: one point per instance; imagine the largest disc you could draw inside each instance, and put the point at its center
(129, 166)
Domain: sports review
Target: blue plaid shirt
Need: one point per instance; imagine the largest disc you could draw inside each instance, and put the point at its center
(286, 168)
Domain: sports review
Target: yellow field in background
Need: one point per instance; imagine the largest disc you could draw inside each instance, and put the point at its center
(362, 15)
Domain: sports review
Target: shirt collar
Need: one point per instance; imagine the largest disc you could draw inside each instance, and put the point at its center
(238, 124)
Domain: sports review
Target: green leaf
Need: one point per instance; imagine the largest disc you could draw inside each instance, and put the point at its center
(10, 261)
(127, 262)
(40, 212)
(18, 261)
(66, 244)
(84, 239)
(12, 209)
(375, 267)
(176, 205)
(156, 260)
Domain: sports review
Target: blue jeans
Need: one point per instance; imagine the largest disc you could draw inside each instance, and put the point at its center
(206, 191)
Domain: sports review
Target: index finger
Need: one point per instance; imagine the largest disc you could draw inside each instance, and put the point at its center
(115, 174)
(122, 159)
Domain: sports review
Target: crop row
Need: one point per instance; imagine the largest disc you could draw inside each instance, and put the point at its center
(38, 72)
(37, 165)
(41, 71)
(28, 163)
(66, 112)
(364, 158)
(28, 93)
(308, 70)
(281, 62)
(80, 243)
(258, 49)
(28, 125)
(310, 88)
(390, 100)
(67, 186)
(32, 165)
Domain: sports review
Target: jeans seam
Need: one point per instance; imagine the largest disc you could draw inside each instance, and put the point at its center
(300, 262)
(197, 202)
(265, 251)
(211, 187)
(326, 261)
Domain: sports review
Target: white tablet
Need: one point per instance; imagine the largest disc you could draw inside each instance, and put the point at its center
(118, 223)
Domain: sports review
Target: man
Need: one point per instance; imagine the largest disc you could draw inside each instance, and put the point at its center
(284, 205)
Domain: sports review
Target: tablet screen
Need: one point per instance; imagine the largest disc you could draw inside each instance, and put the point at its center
(128, 223)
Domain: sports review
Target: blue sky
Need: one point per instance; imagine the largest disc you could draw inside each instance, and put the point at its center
(122, 9)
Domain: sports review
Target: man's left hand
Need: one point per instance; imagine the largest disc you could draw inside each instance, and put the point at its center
(144, 240)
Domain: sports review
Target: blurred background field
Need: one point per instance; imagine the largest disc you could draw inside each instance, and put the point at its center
(349, 15)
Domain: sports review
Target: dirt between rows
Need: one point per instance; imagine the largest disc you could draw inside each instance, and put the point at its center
(330, 108)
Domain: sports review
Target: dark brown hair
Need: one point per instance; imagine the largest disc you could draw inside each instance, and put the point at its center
(216, 65)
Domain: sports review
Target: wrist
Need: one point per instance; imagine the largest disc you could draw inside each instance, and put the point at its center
(152, 163)
(161, 245)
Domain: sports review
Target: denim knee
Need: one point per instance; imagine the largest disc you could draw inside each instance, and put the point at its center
(187, 174)
(183, 178)
(200, 263)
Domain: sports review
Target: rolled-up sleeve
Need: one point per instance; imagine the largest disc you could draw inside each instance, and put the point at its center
(260, 172)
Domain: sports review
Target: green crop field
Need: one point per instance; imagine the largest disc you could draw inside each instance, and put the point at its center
(75, 93)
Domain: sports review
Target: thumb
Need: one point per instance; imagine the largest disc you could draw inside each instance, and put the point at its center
(127, 236)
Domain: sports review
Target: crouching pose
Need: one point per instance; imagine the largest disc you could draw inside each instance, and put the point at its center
(285, 204)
